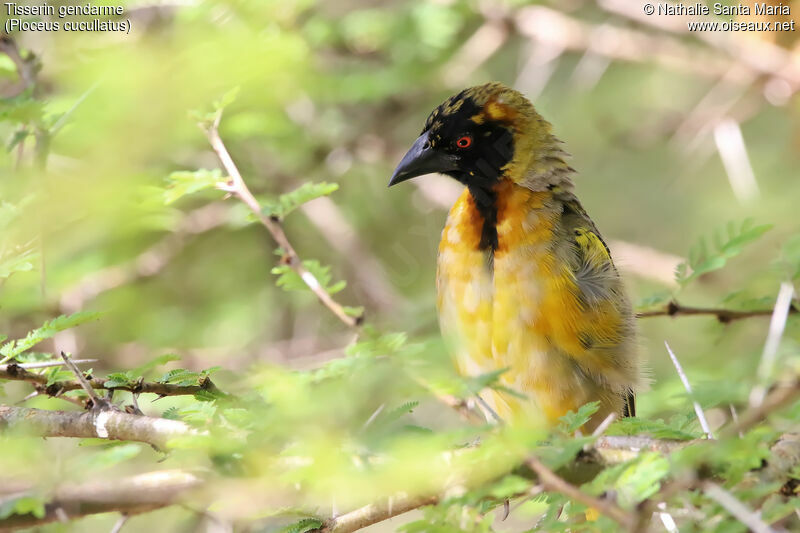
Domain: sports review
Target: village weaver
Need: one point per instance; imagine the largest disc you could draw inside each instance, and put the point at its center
(524, 280)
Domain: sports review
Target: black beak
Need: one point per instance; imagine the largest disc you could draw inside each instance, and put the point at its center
(423, 159)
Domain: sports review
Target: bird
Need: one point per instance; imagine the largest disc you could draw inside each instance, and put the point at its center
(525, 283)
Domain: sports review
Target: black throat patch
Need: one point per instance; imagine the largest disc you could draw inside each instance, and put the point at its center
(480, 164)
(486, 204)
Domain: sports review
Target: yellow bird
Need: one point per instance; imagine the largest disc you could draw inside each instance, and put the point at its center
(524, 279)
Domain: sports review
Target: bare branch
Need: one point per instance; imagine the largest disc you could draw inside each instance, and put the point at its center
(723, 315)
(101, 424)
(781, 395)
(26, 68)
(374, 513)
(553, 482)
(237, 187)
(96, 400)
(132, 495)
(739, 510)
(15, 372)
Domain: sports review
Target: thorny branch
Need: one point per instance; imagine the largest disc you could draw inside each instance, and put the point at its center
(725, 316)
(97, 402)
(237, 187)
(15, 372)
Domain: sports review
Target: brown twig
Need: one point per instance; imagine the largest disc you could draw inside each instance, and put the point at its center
(236, 186)
(781, 396)
(26, 68)
(553, 482)
(97, 402)
(15, 372)
(725, 316)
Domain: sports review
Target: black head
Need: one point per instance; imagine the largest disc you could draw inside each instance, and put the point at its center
(469, 137)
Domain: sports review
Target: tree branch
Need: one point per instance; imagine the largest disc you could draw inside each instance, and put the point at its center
(780, 396)
(96, 401)
(26, 68)
(237, 187)
(15, 372)
(131, 495)
(105, 424)
(374, 513)
(725, 316)
(553, 482)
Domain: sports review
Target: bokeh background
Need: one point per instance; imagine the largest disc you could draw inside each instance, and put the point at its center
(673, 135)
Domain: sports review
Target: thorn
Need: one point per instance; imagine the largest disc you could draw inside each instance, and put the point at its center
(672, 308)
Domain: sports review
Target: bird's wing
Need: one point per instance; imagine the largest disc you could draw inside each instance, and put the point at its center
(606, 320)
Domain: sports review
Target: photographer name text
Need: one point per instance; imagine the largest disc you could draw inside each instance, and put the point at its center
(757, 9)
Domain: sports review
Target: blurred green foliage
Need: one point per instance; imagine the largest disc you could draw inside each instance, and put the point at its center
(105, 184)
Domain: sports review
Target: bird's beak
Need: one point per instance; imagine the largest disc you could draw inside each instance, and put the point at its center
(423, 159)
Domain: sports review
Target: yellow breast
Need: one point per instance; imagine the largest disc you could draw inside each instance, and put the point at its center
(516, 308)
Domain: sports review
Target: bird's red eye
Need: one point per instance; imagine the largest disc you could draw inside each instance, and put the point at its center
(464, 142)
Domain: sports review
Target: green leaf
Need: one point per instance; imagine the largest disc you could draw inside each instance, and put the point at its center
(56, 374)
(633, 481)
(398, 412)
(184, 182)
(789, 258)
(19, 136)
(13, 348)
(171, 414)
(726, 245)
(655, 428)
(226, 99)
(22, 109)
(509, 486)
(374, 345)
(286, 203)
(180, 376)
(657, 299)
(289, 280)
(477, 383)
(356, 312)
(206, 118)
(572, 421)
(641, 479)
(22, 506)
(301, 526)
(119, 379)
(206, 396)
(20, 260)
